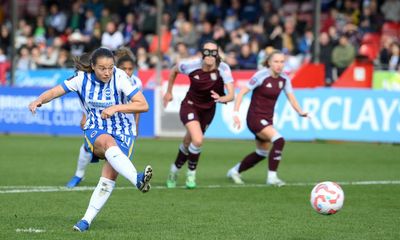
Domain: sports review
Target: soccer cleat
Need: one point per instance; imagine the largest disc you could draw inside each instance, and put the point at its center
(235, 176)
(275, 182)
(171, 181)
(144, 179)
(191, 180)
(81, 226)
(75, 180)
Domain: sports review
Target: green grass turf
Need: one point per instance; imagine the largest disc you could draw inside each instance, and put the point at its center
(370, 211)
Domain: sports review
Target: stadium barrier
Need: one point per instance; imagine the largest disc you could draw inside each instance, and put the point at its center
(59, 117)
(345, 114)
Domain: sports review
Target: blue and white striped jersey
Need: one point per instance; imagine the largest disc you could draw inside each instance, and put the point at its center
(136, 81)
(96, 95)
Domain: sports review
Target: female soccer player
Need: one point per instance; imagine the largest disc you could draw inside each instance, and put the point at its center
(126, 62)
(108, 98)
(266, 85)
(208, 76)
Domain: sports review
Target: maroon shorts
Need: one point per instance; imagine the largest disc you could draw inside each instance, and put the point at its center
(189, 112)
(256, 123)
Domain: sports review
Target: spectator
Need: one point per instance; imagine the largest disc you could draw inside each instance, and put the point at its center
(89, 22)
(384, 54)
(112, 38)
(247, 59)
(3, 57)
(343, 54)
(76, 19)
(64, 59)
(325, 56)
(142, 59)
(129, 27)
(105, 18)
(180, 52)
(56, 19)
(391, 10)
(24, 62)
(187, 35)
(394, 61)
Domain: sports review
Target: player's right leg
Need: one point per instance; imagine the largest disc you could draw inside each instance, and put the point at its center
(180, 160)
(249, 161)
(196, 134)
(83, 160)
(275, 154)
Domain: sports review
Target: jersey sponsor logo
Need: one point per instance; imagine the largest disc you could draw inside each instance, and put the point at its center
(196, 77)
(213, 76)
(280, 84)
(264, 122)
(93, 133)
(190, 116)
(269, 85)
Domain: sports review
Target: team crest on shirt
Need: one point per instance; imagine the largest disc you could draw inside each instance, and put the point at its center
(213, 76)
(269, 85)
(196, 77)
(108, 92)
(93, 134)
(280, 84)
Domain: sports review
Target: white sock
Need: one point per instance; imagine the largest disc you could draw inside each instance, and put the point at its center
(83, 160)
(99, 197)
(121, 163)
(191, 172)
(174, 169)
(236, 168)
(272, 174)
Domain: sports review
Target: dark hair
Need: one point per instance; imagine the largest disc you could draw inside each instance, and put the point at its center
(274, 52)
(124, 51)
(218, 57)
(125, 58)
(84, 62)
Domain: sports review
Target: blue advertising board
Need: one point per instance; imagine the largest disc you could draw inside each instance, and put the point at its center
(59, 117)
(42, 77)
(336, 114)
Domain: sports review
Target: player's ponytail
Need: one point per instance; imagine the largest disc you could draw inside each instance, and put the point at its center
(82, 63)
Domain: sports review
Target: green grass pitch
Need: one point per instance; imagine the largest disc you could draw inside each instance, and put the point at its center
(215, 210)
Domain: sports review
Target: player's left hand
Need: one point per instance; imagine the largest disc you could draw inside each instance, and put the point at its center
(34, 105)
(304, 114)
(216, 96)
(108, 112)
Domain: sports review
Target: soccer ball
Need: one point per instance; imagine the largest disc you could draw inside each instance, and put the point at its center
(327, 198)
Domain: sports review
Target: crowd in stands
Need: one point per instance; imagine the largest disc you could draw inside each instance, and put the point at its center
(50, 33)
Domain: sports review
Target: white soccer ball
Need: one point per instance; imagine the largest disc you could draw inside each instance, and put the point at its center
(327, 198)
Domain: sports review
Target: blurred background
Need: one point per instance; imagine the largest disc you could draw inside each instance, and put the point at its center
(343, 57)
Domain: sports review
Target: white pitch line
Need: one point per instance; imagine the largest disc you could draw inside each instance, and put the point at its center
(31, 189)
(30, 230)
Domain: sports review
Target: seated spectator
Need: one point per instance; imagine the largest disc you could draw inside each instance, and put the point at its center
(394, 60)
(112, 38)
(24, 62)
(247, 59)
(343, 54)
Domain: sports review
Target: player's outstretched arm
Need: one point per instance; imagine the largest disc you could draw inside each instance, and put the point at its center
(295, 104)
(46, 97)
(171, 80)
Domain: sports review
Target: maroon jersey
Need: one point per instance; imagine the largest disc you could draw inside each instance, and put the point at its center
(266, 91)
(201, 82)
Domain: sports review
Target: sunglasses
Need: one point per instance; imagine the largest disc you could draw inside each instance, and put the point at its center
(210, 52)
